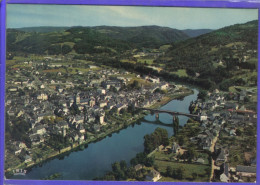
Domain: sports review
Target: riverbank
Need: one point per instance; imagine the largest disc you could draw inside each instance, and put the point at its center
(169, 97)
(95, 138)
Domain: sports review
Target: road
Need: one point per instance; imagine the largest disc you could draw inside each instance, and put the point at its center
(212, 149)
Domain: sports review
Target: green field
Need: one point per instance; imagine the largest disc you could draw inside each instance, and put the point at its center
(147, 61)
(181, 73)
(129, 61)
(201, 170)
(165, 47)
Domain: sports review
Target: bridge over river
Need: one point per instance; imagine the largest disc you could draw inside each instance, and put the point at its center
(173, 113)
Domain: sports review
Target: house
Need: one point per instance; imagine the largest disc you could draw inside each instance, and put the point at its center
(203, 116)
(81, 137)
(206, 143)
(27, 159)
(36, 139)
(221, 157)
(84, 101)
(63, 124)
(153, 176)
(39, 129)
(96, 128)
(45, 114)
(102, 104)
(12, 89)
(60, 90)
(101, 91)
(224, 177)
(120, 106)
(216, 91)
(154, 80)
(74, 136)
(164, 86)
(175, 148)
(231, 106)
(200, 161)
(232, 132)
(17, 150)
(138, 167)
(92, 102)
(81, 128)
(77, 99)
(246, 171)
(79, 119)
(20, 113)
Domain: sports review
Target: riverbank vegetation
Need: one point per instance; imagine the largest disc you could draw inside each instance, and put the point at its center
(160, 155)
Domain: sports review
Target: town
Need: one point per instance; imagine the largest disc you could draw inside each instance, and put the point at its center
(59, 106)
(204, 149)
(54, 114)
(114, 102)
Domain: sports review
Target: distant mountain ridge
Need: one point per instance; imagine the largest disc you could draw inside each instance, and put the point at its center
(110, 29)
(196, 32)
(43, 29)
(40, 40)
(143, 35)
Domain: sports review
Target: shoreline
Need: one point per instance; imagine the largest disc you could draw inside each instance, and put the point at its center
(78, 146)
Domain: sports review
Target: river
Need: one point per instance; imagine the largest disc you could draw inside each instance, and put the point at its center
(96, 159)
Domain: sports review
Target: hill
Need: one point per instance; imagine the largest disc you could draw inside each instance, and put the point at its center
(82, 40)
(42, 29)
(217, 59)
(143, 36)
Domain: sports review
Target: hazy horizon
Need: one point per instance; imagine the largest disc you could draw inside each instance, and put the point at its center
(28, 15)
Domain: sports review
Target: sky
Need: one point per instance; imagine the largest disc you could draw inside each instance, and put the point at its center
(84, 15)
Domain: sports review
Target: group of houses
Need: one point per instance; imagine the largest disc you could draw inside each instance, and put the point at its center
(220, 115)
(56, 107)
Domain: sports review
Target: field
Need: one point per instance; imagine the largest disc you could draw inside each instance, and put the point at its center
(145, 61)
(202, 171)
(181, 73)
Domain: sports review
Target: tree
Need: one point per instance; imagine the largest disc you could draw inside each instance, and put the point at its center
(113, 89)
(74, 109)
(131, 173)
(176, 125)
(202, 94)
(179, 172)
(157, 138)
(109, 177)
(169, 171)
(134, 161)
(238, 132)
(135, 84)
(191, 154)
(122, 111)
(194, 175)
(66, 49)
(191, 72)
(116, 167)
(123, 165)
(180, 140)
(131, 108)
(149, 161)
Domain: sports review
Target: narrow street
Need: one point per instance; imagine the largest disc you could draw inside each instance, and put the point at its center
(212, 149)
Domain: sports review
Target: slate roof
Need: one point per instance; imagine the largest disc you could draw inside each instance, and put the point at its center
(247, 169)
(221, 156)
